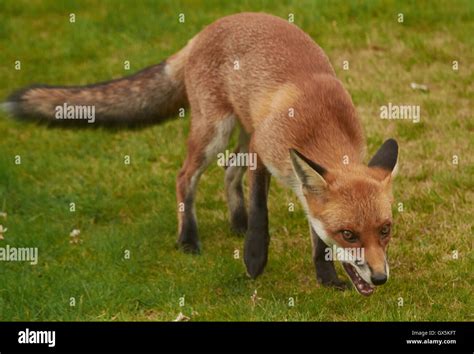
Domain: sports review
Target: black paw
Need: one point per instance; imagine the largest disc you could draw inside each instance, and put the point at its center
(189, 247)
(255, 254)
(238, 221)
(188, 240)
(335, 283)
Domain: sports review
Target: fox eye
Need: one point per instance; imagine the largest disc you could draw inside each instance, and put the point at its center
(385, 231)
(349, 236)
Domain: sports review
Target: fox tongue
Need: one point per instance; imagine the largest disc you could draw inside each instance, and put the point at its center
(360, 284)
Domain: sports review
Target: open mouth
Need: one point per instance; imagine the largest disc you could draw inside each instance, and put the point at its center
(360, 284)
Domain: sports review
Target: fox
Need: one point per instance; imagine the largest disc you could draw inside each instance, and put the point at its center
(266, 79)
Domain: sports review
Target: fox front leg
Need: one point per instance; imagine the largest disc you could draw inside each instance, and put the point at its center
(257, 237)
(325, 271)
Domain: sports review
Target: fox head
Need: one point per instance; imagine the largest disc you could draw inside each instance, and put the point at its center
(350, 209)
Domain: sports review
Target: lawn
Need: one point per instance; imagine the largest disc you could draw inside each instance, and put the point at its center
(124, 265)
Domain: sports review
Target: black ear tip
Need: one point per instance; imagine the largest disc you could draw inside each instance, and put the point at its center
(386, 156)
(391, 143)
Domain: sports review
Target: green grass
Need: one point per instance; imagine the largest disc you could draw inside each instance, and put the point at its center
(132, 207)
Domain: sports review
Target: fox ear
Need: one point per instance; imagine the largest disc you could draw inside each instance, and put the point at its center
(386, 158)
(309, 173)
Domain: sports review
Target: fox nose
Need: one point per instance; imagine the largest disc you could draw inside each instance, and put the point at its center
(378, 278)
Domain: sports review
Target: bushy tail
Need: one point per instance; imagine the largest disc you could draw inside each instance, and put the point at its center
(149, 96)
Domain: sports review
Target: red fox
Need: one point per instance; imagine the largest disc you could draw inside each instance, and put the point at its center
(267, 77)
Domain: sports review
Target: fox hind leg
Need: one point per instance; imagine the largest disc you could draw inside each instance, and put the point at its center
(234, 190)
(204, 143)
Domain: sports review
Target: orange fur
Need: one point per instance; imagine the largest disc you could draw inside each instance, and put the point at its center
(272, 79)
